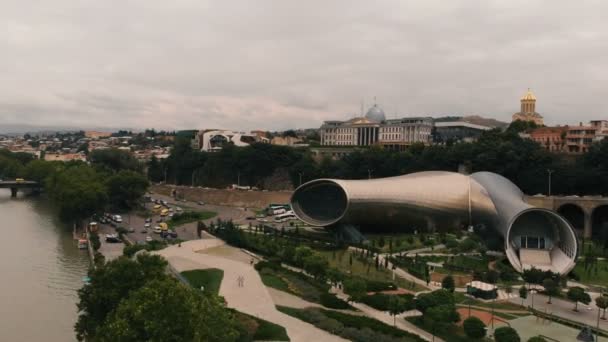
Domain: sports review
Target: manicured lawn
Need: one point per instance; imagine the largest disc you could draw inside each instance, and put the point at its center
(594, 275)
(210, 278)
(274, 281)
(359, 268)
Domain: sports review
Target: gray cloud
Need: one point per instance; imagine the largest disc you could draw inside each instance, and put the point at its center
(280, 64)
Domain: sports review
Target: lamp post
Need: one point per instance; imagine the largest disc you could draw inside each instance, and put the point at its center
(549, 171)
(165, 175)
(238, 178)
(300, 174)
(369, 173)
(192, 182)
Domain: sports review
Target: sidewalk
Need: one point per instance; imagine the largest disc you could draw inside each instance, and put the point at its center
(253, 299)
(387, 318)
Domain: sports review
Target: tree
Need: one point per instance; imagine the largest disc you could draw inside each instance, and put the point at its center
(523, 294)
(114, 160)
(355, 288)
(109, 284)
(77, 192)
(506, 334)
(301, 253)
(426, 301)
(441, 315)
(474, 328)
(396, 305)
(316, 265)
(165, 310)
(550, 288)
(448, 283)
(602, 303)
(125, 188)
(578, 294)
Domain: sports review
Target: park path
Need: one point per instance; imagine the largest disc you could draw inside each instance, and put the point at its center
(253, 298)
(387, 318)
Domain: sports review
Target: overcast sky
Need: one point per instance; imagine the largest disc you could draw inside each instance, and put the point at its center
(292, 64)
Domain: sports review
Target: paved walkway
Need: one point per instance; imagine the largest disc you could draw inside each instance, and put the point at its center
(587, 314)
(387, 318)
(253, 299)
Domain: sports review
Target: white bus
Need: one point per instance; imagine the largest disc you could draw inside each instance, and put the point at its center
(285, 217)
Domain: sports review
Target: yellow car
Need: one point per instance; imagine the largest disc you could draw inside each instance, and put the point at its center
(164, 212)
(19, 180)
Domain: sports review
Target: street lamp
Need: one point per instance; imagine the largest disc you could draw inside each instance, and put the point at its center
(549, 171)
(192, 182)
(369, 173)
(300, 174)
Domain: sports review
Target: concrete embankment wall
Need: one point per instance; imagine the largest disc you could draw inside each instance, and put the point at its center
(236, 198)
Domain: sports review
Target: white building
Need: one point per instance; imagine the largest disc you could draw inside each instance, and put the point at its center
(375, 129)
(214, 140)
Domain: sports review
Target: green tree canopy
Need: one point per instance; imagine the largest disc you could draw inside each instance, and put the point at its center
(506, 334)
(125, 188)
(448, 283)
(474, 327)
(165, 310)
(578, 294)
(114, 160)
(77, 191)
(355, 288)
(110, 283)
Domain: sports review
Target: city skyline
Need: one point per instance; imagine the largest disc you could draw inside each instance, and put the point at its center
(190, 64)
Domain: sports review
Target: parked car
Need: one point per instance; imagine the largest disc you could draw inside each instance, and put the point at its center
(157, 230)
(131, 230)
(147, 225)
(200, 203)
(250, 218)
(179, 209)
(173, 234)
(149, 239)
(144, 231)
(112, 238)
(148, 220)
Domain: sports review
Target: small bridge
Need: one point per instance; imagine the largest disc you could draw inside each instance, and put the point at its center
(587, 214)
(15, 185)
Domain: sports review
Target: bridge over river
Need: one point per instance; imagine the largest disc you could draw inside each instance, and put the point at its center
(15, 186)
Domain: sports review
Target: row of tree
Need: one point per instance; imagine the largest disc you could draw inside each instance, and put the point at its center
(112, 181)
(523, 161)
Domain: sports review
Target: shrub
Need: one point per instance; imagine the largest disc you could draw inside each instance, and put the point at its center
(266, 264)
(536, 339)
(330, 300)
(95, 243)
(378, 286)
(506, 334)
(474, 327)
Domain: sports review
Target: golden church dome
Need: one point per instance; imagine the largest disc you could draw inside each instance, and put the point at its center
(528, 96)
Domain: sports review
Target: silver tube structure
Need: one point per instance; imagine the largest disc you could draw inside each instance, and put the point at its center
(534, 237)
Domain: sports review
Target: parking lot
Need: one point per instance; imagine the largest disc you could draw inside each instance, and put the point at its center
(184, 232)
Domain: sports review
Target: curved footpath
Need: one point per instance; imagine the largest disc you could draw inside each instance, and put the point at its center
(253, 299)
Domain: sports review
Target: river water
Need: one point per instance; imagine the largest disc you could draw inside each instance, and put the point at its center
(41, 270)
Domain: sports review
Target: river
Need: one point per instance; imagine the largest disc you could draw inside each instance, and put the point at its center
(41, 270)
